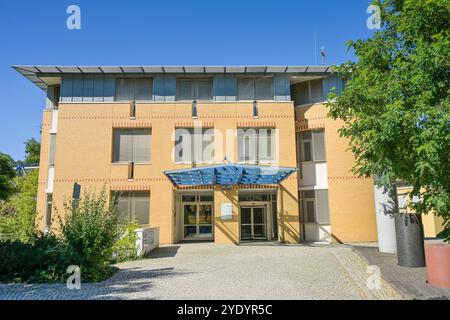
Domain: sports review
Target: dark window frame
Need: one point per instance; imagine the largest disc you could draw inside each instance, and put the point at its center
(115, 142)
(130, 197)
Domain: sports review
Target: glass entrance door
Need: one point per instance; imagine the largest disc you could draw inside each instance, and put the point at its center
(253, 223)
(198, 220)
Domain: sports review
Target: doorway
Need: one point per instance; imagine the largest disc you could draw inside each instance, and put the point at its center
(198, 221)
(253, 223)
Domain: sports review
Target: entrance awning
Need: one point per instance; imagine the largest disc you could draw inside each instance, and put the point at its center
(229, 174)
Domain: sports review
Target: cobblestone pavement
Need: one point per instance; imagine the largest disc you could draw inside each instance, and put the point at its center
(410, 282)
(209, 271)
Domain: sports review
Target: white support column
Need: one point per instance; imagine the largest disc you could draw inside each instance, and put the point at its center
(385, 210)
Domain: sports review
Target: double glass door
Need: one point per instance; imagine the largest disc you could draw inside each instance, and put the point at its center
(198, 221)
(253, 223)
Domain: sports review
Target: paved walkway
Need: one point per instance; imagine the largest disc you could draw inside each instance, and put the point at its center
(410, 282)
(208, 271)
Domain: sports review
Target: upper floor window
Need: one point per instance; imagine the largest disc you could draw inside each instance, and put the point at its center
(195, 89)
(255, 88)
(194, 145)
(131, 145)
(134, 206)
(311, 146)
(256, 144)
(139, 89)
(308, 92)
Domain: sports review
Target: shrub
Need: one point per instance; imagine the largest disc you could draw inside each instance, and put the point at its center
(89, 233)
(23, 262)
(125, 248)
(6, 209)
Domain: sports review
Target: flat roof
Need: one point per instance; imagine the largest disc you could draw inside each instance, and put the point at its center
(35, 73)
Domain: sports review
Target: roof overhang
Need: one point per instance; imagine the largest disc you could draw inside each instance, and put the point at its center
(40, 75)
(229, 174)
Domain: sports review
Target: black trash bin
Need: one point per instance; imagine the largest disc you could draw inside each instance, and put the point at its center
(410, 240)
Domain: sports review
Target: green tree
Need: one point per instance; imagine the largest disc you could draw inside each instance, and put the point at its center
(20, 224)
(32, 151)
(7, 174)
(396, 105)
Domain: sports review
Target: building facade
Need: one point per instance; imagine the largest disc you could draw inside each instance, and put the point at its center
(130, 130)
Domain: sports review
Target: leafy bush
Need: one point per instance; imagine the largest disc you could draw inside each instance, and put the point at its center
(18, 218)
(23, 262)
(125, 248)
(88, 236)
(89, 233)
(6, 209)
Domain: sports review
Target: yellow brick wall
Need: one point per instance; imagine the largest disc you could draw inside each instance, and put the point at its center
(84, 152)
(351, 199)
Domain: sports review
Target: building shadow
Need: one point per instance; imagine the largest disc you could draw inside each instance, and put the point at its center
(163, 252)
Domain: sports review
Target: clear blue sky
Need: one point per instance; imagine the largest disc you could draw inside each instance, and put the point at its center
(160, 32)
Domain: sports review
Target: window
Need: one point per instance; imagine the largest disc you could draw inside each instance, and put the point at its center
(246, 89)
(314, 206)
(301, 93)
(185, 89)
(256, 144)
(194, 89)
(264, 88)
(316, 91)
(194, 145)
(225, 88)
(48, 210)
(139, 89)
(197, 198)
(132, 145)
(308, 92)
(254, 196)
(204, 89)
(255, 88)
(134, 206)
(52, 150)
(311, 145)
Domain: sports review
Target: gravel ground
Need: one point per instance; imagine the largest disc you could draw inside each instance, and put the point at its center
(209, 271)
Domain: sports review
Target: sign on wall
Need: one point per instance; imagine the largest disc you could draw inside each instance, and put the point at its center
(226, 211)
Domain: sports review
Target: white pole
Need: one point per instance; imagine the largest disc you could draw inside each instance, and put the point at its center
(385, 208)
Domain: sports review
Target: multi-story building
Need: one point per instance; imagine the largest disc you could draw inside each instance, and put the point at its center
(225, 154)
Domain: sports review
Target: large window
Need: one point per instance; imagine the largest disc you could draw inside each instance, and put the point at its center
(132, 145)
(314, 206)
(194, 145)
(256, 144)
(134, 206)
(255, 88)
(308, 92)
(311, 146)
(139, 89)
(189, 89)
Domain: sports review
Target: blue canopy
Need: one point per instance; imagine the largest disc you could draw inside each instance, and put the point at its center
(229, 174)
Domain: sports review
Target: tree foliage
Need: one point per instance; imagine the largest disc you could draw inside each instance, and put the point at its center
(396, 105)
(7, 174)
(32, 151)
(20, 223)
